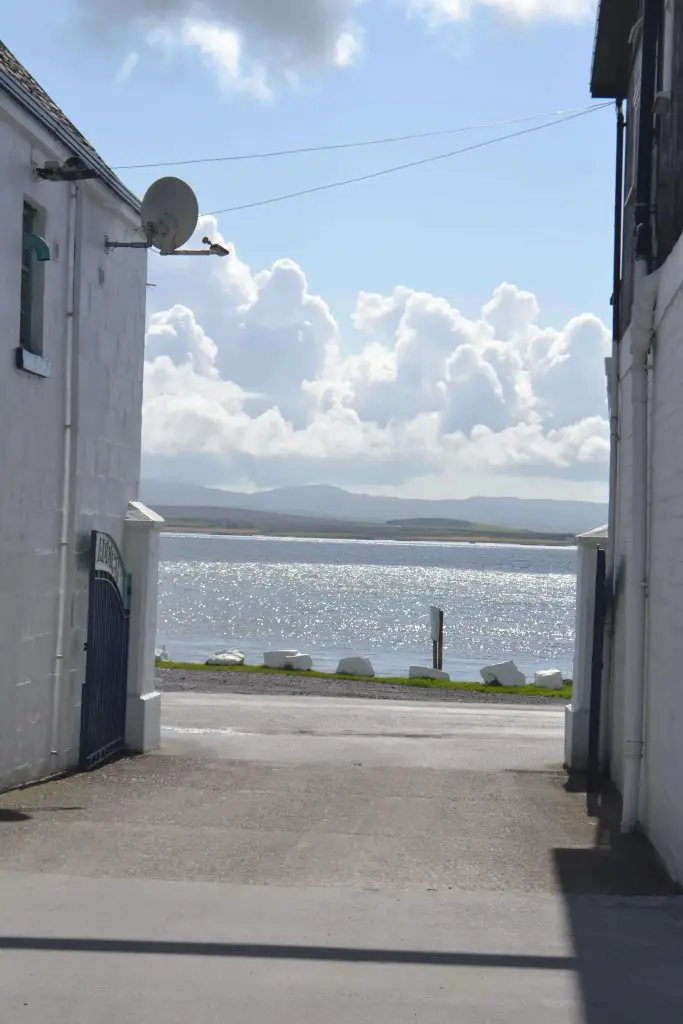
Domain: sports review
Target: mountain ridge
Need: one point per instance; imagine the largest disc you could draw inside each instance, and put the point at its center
(540, 514)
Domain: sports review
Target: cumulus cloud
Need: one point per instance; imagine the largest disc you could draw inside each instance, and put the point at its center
(252, 372)
(247, 43)
(252, 45)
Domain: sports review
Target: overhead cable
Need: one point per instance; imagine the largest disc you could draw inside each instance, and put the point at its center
(406, 166)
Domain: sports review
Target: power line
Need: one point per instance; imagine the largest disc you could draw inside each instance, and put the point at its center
(353, 145)
(404, 167)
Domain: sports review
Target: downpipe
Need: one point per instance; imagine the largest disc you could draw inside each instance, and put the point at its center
(642, 331)
(612, 374)
(68, 442)
(612, 369)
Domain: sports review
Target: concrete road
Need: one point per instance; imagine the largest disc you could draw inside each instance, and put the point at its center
(321, 861)
(119, 951)
(313, 729)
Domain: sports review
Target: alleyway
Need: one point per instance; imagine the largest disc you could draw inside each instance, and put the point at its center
(327, 861)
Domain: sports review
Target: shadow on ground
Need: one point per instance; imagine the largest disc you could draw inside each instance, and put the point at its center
(628, 948)
(9, 815)
(249, 823)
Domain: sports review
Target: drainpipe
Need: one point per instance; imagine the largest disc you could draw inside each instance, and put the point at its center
(72, 294)
(612, 368)
(642, 329)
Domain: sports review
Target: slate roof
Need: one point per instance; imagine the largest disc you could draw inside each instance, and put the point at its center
(25, 90)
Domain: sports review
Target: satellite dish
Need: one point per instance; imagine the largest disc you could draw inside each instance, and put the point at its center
(169, 212)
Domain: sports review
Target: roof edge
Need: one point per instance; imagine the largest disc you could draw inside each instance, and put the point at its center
(611, 51)
(90, 157)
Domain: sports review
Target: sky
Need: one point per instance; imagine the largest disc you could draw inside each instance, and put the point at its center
(437, 331)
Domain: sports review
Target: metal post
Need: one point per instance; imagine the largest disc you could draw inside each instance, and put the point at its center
(440, 659)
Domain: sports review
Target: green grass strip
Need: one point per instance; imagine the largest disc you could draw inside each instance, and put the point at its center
(434, 684)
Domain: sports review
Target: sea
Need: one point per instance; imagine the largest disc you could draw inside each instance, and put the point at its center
(332, 598)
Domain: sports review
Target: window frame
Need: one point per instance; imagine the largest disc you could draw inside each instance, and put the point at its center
(29, 352)
(28, 280)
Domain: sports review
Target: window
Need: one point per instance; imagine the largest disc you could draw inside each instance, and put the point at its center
(633, 120)
(34, 253)
(28, 281)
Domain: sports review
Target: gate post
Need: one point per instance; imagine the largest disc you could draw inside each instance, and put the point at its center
(141, 552)
(577, 714)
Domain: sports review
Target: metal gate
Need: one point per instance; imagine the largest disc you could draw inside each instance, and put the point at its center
(103, 711)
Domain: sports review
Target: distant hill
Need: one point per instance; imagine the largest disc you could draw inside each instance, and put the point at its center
(534, 514)
(248, 522)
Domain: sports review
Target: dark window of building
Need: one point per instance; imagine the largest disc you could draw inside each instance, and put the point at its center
(28, 279)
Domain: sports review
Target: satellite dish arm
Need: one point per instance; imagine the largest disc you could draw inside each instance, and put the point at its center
(215, 249)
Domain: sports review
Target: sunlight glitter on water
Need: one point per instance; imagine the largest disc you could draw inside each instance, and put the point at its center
(330, 599)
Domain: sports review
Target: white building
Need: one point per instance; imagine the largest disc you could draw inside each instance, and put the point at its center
(639, 59)
(71, 364)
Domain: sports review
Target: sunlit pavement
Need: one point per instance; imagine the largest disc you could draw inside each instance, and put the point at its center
(332, 860)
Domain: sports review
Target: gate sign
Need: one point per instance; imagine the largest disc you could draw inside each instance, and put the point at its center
(108, 560)
(435, 620)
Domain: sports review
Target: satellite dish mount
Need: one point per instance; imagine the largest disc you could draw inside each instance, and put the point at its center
(169, 215)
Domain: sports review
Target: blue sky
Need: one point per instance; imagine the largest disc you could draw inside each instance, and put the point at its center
(534, 211)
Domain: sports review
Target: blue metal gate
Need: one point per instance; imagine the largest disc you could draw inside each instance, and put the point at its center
(103, 711)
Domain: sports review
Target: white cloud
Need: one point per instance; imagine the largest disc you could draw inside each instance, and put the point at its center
(127, 67)
(222, 50)
(250, 370)
(254, 45)
(347, 49)
(249, 44)
(438, 12)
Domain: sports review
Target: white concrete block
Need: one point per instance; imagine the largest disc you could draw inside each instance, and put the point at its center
(288, 659)
(300, 663)
(419, 672)
(505, 673)
(278, 659)
(355, 666)
(549, 679)
(226, 658)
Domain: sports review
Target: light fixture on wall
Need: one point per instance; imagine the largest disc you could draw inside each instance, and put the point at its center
(73, 169)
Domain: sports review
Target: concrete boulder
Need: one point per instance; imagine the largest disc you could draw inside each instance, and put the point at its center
(288, 659)
(355, 666)
(504, 674)
(419, 672)
(226, 658)
(549, 679)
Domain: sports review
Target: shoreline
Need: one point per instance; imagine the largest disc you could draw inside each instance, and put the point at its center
(200, 679)
(412, 538)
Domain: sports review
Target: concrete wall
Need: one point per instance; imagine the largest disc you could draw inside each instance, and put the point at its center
(622, 548)
(107, 405)
(663, 767)
(661, 808)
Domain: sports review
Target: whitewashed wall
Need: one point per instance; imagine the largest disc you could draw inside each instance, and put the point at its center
(661, 808)
(110, 333)
(663, 767)
(622, 548)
